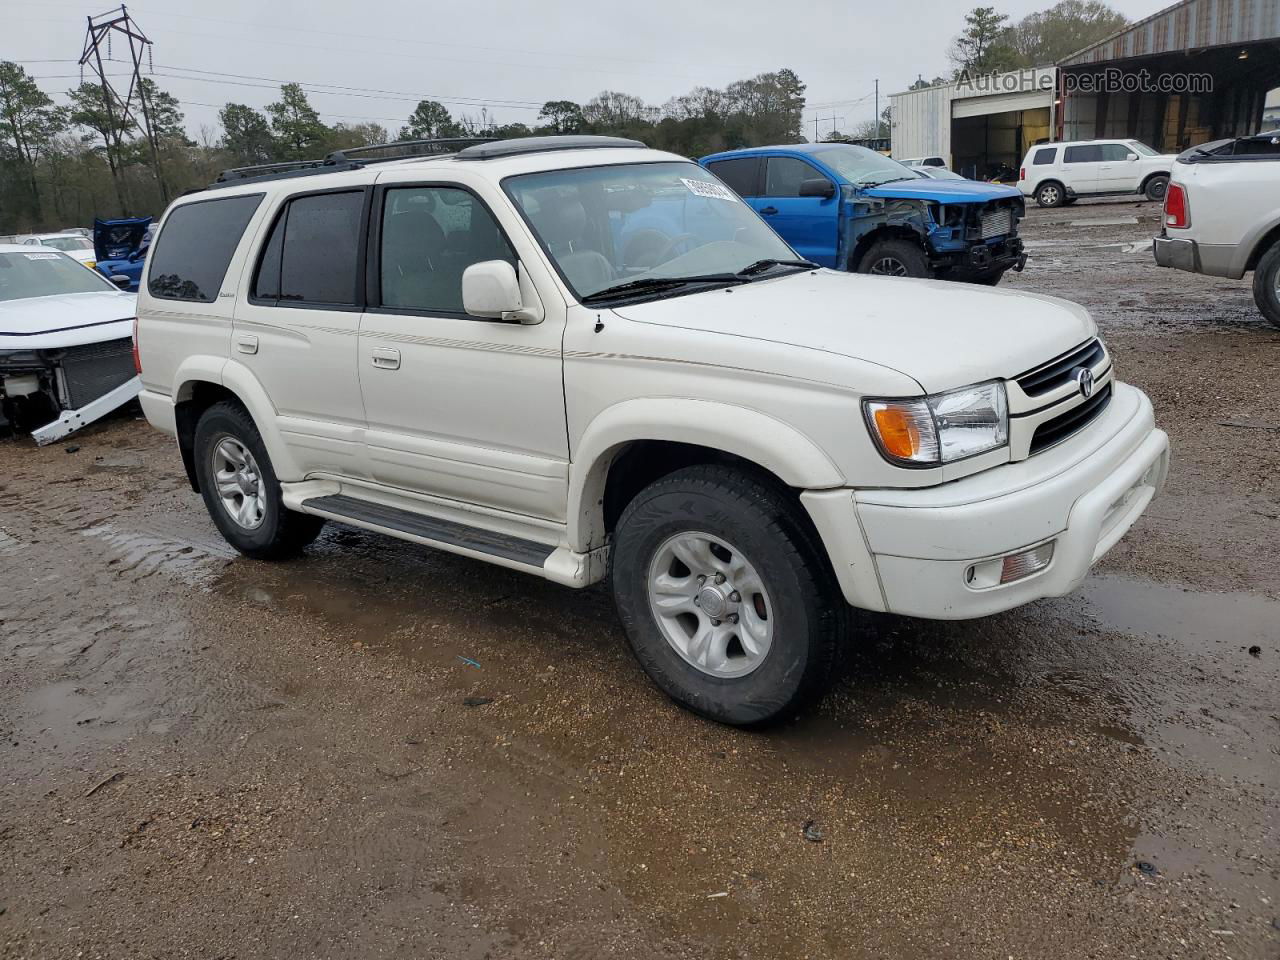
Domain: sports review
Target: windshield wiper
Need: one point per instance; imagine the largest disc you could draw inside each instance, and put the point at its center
(881, 183)
(760, 266)
(655, 284)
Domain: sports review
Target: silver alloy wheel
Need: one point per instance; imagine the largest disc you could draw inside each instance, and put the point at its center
(1049, 195)
(239, 483)
(711, 604)
(889, 267)
(1276, 284)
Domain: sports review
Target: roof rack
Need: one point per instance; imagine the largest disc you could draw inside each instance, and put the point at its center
(522, 145)
(350, 158)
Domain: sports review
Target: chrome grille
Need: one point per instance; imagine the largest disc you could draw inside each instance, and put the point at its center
(997, 223)
(1064, 425)
(1059, 370)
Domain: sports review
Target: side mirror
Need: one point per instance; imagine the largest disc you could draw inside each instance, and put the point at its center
(492, 290)
(818, 187)
(1132, 156)
(121, 281)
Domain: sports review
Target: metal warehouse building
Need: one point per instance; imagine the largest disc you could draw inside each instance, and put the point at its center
(1196, 71)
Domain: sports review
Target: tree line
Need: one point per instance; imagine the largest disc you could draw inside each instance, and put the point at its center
(63, 165)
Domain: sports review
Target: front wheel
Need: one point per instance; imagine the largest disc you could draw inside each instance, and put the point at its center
(895, 258)
(1266, 284)
(988, 279)
(1156, 188)
(240, 488)
(725, 595)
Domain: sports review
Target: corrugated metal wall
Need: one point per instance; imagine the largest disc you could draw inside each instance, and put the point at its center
(1193, 24)
(922, 122)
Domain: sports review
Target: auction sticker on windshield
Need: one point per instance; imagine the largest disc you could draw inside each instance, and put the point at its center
(41, 256)
(713, 191)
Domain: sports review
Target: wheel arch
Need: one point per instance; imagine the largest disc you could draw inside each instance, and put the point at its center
(1151, 176)
(628, 446)
(888, 231)
(1259, 248)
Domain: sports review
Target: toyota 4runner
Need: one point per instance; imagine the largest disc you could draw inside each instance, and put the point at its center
(588, 360)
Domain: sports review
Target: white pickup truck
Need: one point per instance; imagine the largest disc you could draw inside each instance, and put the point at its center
(1222, 215)
(587, 360)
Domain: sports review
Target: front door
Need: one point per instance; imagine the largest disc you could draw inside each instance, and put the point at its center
(458, 407)
(809, 224)
(1117, 173)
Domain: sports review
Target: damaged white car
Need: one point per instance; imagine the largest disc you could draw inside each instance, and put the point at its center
(66, 343)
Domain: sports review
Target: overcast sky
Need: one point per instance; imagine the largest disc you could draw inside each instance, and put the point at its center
(506, 57)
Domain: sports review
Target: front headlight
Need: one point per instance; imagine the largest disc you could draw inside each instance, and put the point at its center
(940, 428)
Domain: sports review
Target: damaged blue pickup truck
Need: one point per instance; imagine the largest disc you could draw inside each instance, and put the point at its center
(850, 208)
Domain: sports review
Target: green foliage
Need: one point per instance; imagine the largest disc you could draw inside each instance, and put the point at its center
(430, 120)
(246, 134)
(295, 123)
(989, 44)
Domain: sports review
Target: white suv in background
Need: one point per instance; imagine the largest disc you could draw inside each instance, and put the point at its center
(587, 360)
(1058, 173)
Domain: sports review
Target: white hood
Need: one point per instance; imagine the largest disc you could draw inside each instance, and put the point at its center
(41, 323)
(943, 334)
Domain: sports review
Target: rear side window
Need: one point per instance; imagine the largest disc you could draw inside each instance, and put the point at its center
(783, 176)
(312, 254)
(1043, 157)
(191, 256)
(1115, 151)
(740, 174)
(1089, 153)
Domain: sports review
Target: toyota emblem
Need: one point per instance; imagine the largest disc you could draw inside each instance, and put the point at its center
(1084, 381)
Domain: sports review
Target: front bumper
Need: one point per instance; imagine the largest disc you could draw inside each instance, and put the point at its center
(910, 551)
(982, 259)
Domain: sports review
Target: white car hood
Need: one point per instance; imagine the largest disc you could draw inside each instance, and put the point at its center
(42, 323)
(942, 334)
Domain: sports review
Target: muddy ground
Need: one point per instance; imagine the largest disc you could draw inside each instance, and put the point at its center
(206, 756)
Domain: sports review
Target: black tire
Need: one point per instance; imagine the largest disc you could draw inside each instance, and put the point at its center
(281, 533)
(1156, 188)
(807, 611)
(988, 279)
(895, 258)
(1068, 201)
(1051, 194)
(1266, 284)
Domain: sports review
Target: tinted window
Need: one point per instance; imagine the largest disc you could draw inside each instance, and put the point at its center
(1115, 151)
(1090, 153)
(194, 250)
(1043, 157)
(783, 176)
(740, 174)
(430, 235)
(266, 285)
(319, 255)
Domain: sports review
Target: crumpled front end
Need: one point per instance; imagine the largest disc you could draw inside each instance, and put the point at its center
(973, 240)
(55, 391)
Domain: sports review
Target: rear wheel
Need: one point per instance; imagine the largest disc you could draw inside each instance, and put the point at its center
(1156, 188)
(1266, 284)
(725, 596)
(895, 258)
(1050, 194)
(240, 488)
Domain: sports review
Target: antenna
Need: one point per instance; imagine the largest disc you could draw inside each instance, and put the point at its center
(132, 109)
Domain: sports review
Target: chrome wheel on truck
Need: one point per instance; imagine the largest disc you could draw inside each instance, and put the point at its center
(239, 483)
(711, 604)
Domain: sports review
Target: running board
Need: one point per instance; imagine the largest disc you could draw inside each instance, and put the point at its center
(559, 564)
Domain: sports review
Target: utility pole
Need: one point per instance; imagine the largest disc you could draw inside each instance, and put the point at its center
(833, 118)
(877, 108)
(99, 33)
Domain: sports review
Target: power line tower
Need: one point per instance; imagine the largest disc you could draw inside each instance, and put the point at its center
(131, 111)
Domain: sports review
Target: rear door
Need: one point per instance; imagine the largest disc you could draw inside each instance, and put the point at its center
(296, 329)
(809, 224)
(1080, 167)
(1117, 173)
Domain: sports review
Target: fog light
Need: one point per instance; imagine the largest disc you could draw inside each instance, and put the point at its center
(1016, 566)
(1019, 565)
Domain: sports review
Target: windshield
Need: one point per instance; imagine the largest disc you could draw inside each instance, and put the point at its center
(66, 244)
(864, 167)
(24, 275)
(1142, 148)
(605, 226)
(941, 173)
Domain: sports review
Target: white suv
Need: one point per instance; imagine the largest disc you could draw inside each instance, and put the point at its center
(584, 359)
(1058, 173)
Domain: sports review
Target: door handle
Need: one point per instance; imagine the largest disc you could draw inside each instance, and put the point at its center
(247, 343)
(769, 211)
(384, 358)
